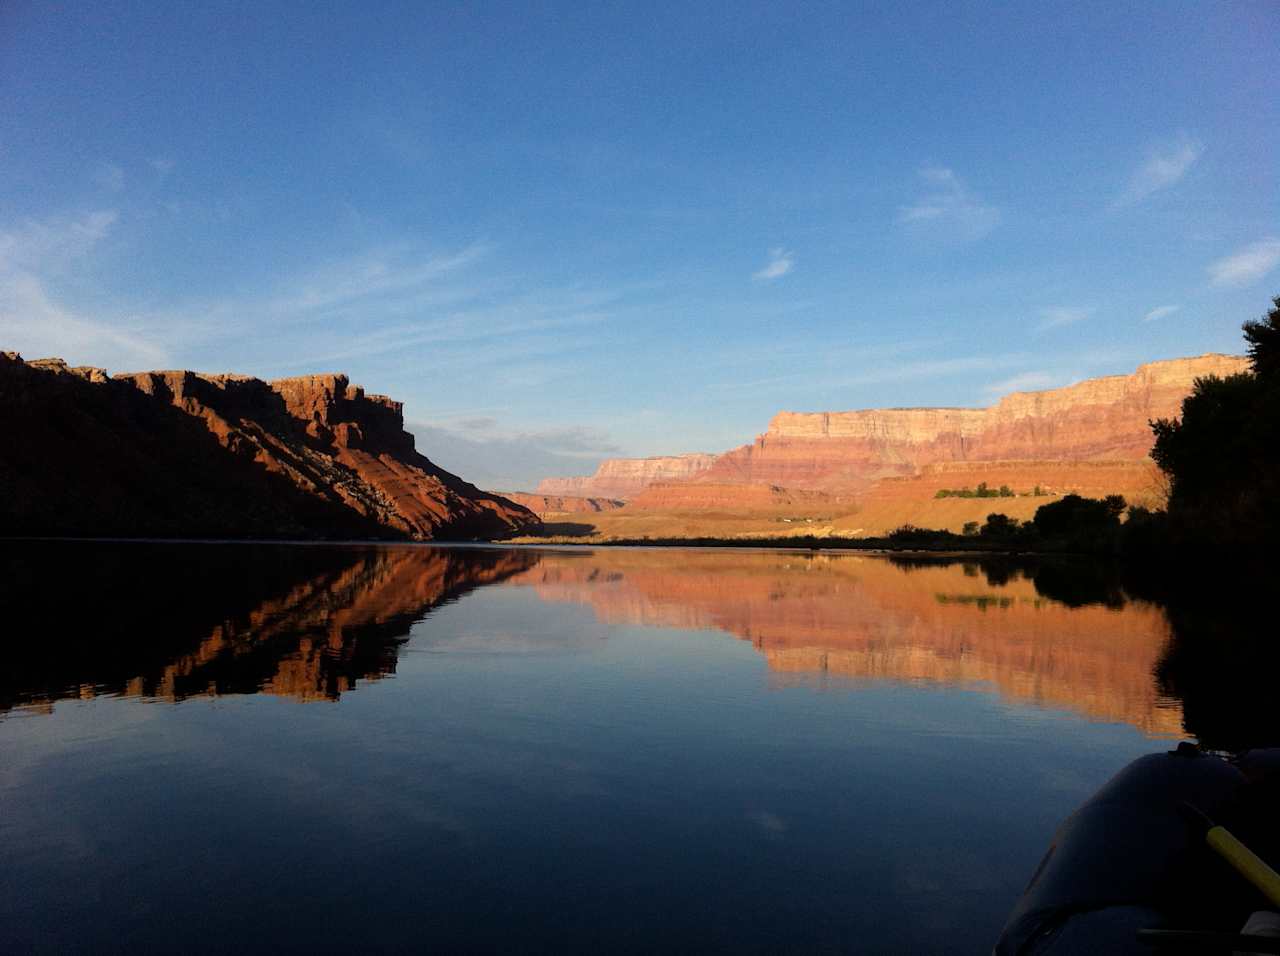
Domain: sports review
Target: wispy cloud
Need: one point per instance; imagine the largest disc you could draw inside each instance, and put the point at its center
(947, 203)
(512, 459)
(1164, 166)
(780, 263)
(34, 323)
(1161, 312)
(402, 307)
(1023, 382)
(574, 440)
(1057, 316)
(1248, 265)
(378, 274)
(50, 245)
(161, 164)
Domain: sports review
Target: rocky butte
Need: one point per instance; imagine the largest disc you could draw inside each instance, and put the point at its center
(179, 453)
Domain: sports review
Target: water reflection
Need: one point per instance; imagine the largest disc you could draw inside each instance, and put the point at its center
(864, 617)
(1224, 657)
(170, 622)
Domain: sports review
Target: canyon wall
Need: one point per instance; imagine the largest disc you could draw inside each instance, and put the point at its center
(178, 453)
(706, 496)
(624, 478)
(562, 504)
(1098, 419)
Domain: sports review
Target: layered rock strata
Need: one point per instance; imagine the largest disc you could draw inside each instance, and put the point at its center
(181, 453)
(1097, 419)
(623, 478)
(706, 496)
(562, 504)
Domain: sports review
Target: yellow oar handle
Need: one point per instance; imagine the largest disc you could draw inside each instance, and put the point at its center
(1252, 867)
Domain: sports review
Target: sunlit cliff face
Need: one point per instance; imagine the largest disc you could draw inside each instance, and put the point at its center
(311, 623)
(867, 618)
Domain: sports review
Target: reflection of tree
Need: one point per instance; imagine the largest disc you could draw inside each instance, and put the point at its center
(1080, 583)
(1075, 582)
(178, 621)
(1222, 663)
(1222, 658)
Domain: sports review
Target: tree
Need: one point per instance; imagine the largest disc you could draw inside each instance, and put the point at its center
(1073, 516)
(999, 526)
(1263, 337)
(1222, 455)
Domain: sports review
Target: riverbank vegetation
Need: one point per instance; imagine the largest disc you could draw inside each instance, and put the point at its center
(982, 491)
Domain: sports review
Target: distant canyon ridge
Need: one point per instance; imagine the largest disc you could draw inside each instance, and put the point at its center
(1093, 437)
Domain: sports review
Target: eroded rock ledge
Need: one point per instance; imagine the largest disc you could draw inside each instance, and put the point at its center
(1100, 419)
(184, 453)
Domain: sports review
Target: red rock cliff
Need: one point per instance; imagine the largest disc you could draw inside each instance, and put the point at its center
(562, 504)
(1097, 419)
(177, 452)
(623, 478)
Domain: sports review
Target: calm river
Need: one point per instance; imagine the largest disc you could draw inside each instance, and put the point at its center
(352, 748)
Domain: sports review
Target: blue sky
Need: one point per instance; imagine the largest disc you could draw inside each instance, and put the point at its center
(561, 231)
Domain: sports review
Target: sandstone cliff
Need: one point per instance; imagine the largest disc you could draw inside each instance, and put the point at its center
(180, 453)
(624, 478)
(1098, 419)
(705, 496)
(562, 504)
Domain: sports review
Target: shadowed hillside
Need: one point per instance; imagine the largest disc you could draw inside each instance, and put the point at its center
(177, 454)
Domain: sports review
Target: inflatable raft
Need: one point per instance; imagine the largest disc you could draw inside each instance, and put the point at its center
(1146, 865)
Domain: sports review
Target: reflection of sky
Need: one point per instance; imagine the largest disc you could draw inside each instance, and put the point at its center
(568, 784)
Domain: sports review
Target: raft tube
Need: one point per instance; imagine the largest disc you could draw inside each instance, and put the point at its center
(1127, 860)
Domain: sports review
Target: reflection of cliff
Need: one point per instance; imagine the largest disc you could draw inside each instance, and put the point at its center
(306, 623)
(864, 617)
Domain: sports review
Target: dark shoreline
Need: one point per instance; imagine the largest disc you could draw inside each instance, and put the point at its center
(799, 544)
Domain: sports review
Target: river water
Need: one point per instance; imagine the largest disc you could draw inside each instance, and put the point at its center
(214, 747)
